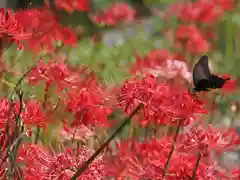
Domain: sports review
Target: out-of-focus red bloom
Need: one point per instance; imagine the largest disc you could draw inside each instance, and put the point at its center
(71, 5)
(119, 12)
(11, 29)
(48, 41)
(230, 85)
(226, 5)
(192, 39)
(201, 11)
(235, 174)
(153, 59)
(40, 164)
(36, 21)
(45, 29)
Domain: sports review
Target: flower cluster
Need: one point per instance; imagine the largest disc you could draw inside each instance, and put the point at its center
(147, 160)
(44, 138)
(48, 165)
(117, 13)
(162, 104)
(71, 5)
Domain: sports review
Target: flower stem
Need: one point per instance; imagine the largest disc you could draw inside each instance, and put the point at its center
(196, 166)
(229, 41)
(106, 143)
(173, 147)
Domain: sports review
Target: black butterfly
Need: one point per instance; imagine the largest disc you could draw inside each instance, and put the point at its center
(203, 80)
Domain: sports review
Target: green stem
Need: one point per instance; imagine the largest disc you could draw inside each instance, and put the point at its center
(229, 40)
(173, 147)
(196, 166)
(92, 158)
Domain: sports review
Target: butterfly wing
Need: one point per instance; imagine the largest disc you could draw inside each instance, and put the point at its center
(201, 73)
(218, 82)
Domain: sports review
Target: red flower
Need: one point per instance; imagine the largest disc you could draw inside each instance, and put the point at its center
(205, 140)
(87, 107)
(34, 115)
(71, 5)
(8, 112)
(147, 160)
(192, 39)
(11, 29)
(153, 59)
(227, 5)
(117, 13)
(54, 72)
(161, 103)
(36, 21)
(135, 91)
(45, 30)
(40, 164)
(230, 85)
(201, 11)
(124, 162)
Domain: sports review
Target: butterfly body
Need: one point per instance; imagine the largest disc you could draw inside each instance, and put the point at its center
(203, 79)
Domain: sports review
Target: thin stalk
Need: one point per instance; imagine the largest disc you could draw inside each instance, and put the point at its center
(105, 144)
(196, 166)
(173, 147)
(43, 105)
(229, 40)
(211, 118)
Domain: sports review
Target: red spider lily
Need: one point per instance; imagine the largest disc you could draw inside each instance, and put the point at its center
(8, 112)
(11, 29)
(124, 164)
(37, 21)
(201, 11)
(192, 39)
(71, 5)
(33, 114)
(54, 71)
(87, 106)
(45, 29)
(44, 165)
(205, 140)
(161, 103)
(134, 91)
(146, 161)
(49, 40)
(119, 12)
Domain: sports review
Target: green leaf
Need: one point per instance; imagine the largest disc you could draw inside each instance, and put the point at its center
(236, 19)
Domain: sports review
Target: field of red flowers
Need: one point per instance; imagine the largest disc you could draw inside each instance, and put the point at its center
(72, 108)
